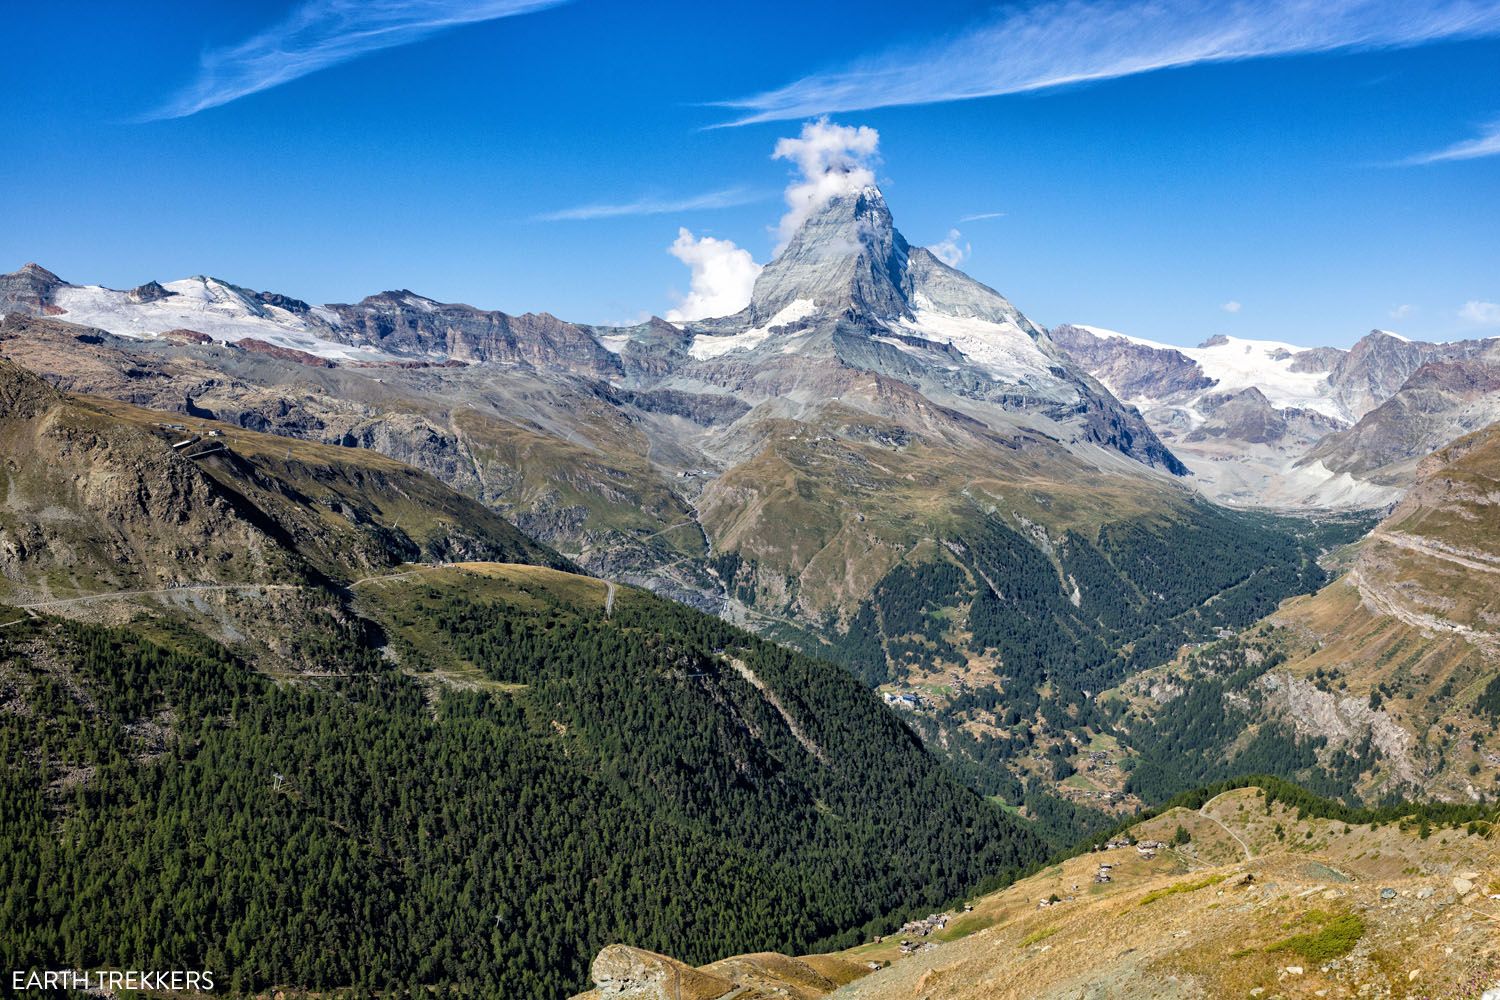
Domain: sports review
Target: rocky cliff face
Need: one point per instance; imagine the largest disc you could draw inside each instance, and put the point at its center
(1248, 416)
(1379, 364)
(404, 323)
(1438, 402)
(28, 291)
(1134, 370)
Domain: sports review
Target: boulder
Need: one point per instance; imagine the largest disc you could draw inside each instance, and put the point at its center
(624, 973)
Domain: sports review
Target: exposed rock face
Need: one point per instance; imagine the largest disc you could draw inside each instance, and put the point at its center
(1248, 416)
(1318, 359)
(285, 353)
(151, 291)
(624, 973)
(1342, 721)
(188, 337)
(406, 323)
(1376, 366)
(846, 256)
(28, 291)
(1133, 370)
(1441, 401)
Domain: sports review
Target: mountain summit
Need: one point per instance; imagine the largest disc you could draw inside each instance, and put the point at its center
(847, 255)
(849, 288)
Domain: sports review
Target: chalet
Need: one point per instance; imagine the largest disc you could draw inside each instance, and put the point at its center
(904, 700)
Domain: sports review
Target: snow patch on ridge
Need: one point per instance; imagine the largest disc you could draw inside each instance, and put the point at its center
(704, 346)
(1004, 350)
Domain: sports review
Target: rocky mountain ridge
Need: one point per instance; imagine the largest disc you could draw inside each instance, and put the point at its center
(1320, 428)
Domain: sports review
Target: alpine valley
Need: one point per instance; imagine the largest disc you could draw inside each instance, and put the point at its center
(513, 638)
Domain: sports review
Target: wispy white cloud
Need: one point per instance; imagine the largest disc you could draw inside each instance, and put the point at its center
(1039, 45)
(950, 251)
(831, 160)
(980, 217)
(1232, 306)
(1487, 143)
(726, 198)
(723, 277)
(1404, 311)
(1480, 313)
(322, 33)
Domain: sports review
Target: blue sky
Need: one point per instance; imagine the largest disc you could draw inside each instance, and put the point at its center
(1283, 169)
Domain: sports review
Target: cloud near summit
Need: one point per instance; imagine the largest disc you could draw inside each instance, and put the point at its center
(830, 160)
(723, 276)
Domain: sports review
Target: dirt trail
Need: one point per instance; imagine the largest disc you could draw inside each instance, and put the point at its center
(1382, 601)
(186, 588)
(1203, 811)
(1469, 560)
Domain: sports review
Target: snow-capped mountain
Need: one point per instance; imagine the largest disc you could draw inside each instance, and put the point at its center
(210, 307)
(848, 285)
(849, 289)
(1259, 422)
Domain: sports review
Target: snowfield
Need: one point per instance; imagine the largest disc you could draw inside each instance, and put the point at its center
(208, 306)
(1239, 364)
(1004, 350)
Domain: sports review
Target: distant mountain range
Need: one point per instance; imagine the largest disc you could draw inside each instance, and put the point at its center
(1262, 423)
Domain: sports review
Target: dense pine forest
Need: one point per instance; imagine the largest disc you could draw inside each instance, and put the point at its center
(607, 778)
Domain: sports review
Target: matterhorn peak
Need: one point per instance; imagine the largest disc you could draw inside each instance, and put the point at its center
(846, 254)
